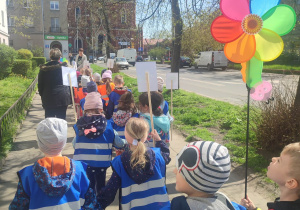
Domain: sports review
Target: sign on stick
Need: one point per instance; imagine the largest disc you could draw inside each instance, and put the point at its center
(65, 74)
(141, 69)
(172, 77)
(110, 63)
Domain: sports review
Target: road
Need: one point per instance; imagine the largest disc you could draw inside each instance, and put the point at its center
(217, 84)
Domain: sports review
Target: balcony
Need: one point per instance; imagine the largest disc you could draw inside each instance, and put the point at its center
(55, 29)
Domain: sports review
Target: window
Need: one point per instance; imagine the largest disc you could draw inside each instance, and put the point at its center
(11, 21)
(123, 16)
(55, 27)
(11, 43)
(77, 13)
(2, 18)
(27, 3)
(29, 22)
(54, 5)
(10, 3)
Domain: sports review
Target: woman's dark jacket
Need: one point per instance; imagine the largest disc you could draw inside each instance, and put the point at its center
(50, 84)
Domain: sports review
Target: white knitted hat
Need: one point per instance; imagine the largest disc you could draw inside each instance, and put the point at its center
(52, 135)
(84, 80)
(160, 84)
(205, 165)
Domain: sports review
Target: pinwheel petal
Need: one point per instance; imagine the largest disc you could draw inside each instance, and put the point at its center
(253, 72)
(269, 45)
(260, 7)
(225, 30)
(243, 71)
(241, 50)
(235, 10)
(280, 19)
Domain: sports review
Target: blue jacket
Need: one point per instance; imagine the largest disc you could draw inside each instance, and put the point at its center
(114, 98)
(151, 194)
(38, 190)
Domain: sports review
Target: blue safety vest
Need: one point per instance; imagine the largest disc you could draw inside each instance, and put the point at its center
(121, 129)
(74, 198)
(151, 194)
(95, 152)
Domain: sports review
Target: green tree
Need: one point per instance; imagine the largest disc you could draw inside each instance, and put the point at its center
(7, 55)
(157, 53)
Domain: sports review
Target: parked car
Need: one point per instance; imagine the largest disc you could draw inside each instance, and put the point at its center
(101, 58)
(185, 61)
(139, 58)
(211, 60)
(121, 63)
(129, 54)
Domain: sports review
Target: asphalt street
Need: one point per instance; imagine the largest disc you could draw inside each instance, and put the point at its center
(221, 85)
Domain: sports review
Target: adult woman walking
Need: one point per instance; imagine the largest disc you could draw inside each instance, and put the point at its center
(55, 96)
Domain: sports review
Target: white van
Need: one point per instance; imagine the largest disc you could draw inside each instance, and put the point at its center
(211, 60)
(129, 54)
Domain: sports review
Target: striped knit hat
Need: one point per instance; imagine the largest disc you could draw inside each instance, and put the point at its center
(205, 165)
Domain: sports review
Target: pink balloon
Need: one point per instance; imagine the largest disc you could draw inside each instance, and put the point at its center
(261, 92)
(235, 9)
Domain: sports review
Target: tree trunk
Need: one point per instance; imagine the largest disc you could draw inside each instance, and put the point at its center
(177, 27)
(108, 33)
(297, 98)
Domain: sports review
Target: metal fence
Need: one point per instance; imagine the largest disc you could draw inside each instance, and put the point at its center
(13, 113)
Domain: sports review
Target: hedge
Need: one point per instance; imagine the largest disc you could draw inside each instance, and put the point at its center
(39, 60)
(7, 57)
(25, 54)
(22, 66)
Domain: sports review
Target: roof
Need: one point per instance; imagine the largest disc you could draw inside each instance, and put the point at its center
(152, 41)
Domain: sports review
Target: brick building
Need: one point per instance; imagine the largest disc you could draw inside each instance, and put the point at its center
(87, 26)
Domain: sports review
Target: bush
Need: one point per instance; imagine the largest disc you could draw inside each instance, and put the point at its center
(39, 60)
(34, 64)
(38, 52)
(22, 67)
(280, 119)
(7, 55)
(25, 54)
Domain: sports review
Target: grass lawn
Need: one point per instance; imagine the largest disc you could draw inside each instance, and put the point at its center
(12, 88)
(212, 120)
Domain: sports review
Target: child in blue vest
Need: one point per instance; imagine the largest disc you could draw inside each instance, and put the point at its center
(115, 95)
(161, 122)
(126, 110)
(140, 172)
(95, 138)
(202, 167)
(55, 181)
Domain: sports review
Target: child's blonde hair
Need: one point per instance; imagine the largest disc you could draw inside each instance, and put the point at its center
(293, 150)
(138, 129)
(118, 80)
(107, 82)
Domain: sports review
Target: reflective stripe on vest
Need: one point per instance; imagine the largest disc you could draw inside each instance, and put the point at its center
(115, 107)
(84, 157)
(70, 205)
(92, 146)
(149, 195)
(121, 133)
(145, 201)
(144, 186)
(104, 97)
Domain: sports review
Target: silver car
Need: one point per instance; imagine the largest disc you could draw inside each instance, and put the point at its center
(121, 63)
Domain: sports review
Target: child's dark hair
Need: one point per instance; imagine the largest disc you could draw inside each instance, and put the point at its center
(156, 99)
(126, 101)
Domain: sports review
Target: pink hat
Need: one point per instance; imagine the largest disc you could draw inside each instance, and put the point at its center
(93, 101)
(107, 74)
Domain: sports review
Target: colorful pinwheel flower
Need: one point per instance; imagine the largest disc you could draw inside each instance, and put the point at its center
(251, 31)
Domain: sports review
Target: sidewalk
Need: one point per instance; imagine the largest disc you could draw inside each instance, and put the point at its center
(25, 152)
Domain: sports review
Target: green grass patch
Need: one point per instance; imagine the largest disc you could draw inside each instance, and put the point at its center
(97, 69)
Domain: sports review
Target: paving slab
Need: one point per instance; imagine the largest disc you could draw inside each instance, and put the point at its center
(25, 152)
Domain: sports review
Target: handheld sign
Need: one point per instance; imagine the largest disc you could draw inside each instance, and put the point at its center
(110, 63)
(67, 70)
(86, 64)
(74, 64)
(70, 79)
(141, 69)
(172, 77)
(147, 81)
